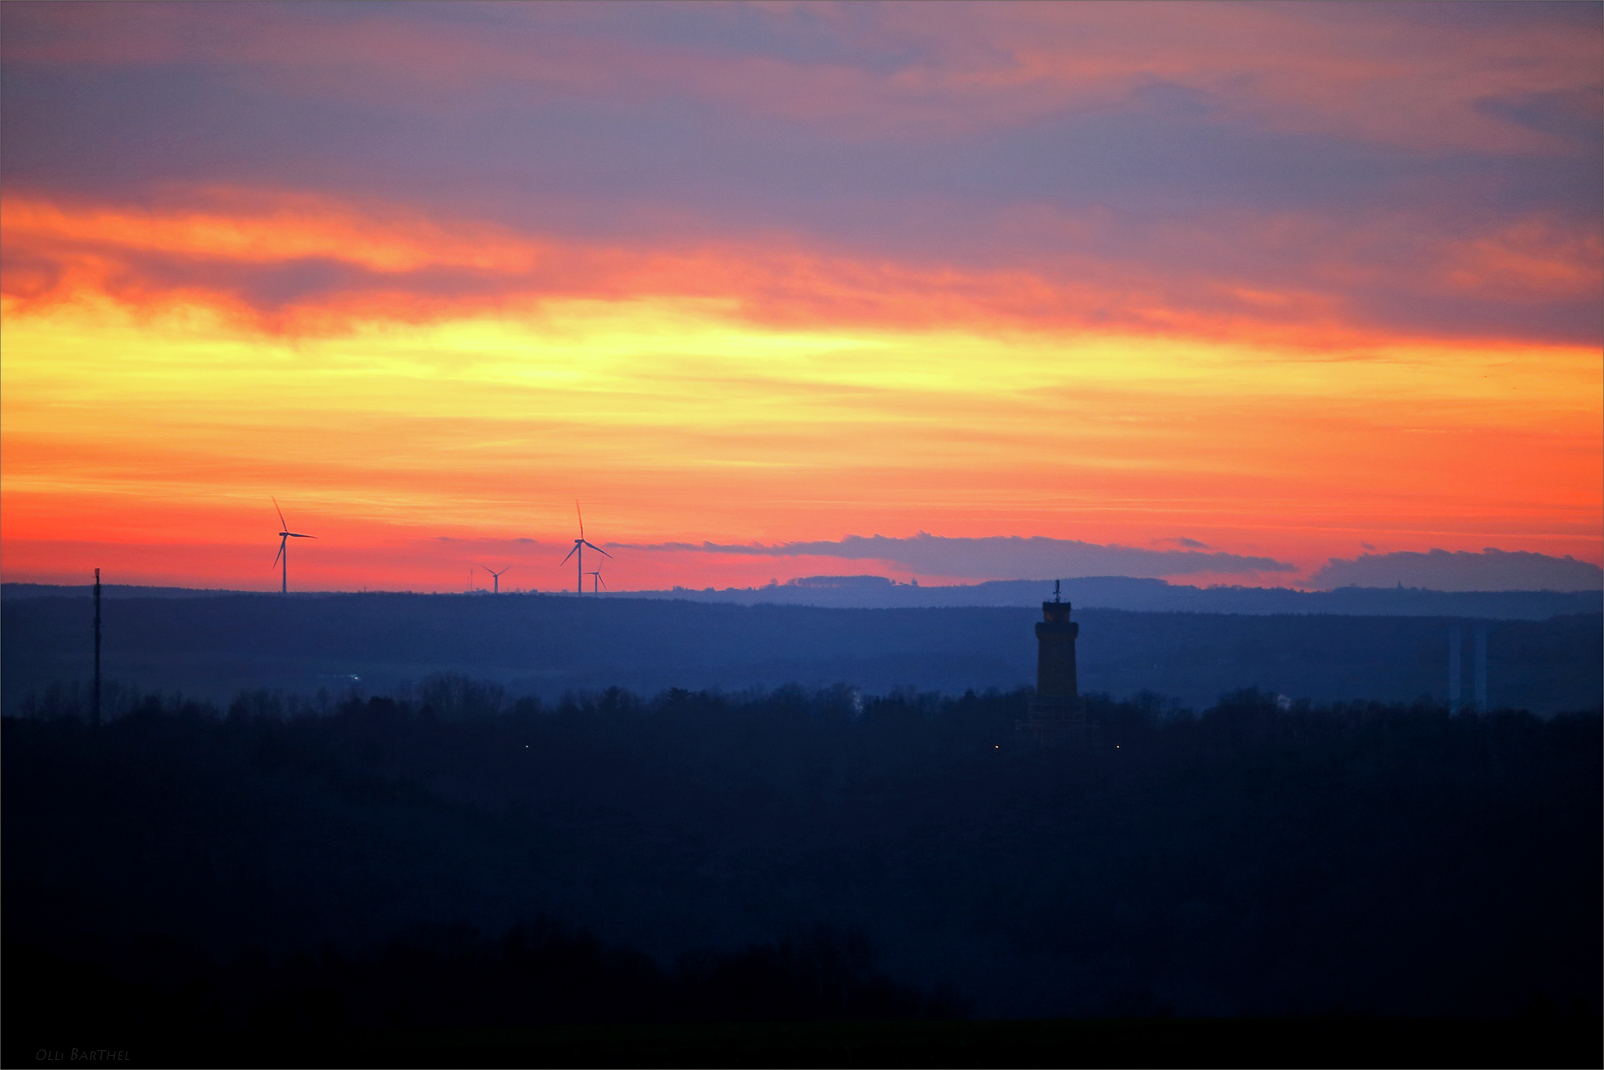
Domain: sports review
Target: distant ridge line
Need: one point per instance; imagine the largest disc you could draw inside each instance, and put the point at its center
(1096, 592)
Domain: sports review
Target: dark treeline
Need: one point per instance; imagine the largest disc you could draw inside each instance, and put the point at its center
(450, 977)
(1366, 858)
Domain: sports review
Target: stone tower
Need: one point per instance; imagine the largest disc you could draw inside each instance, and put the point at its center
(1056, 713)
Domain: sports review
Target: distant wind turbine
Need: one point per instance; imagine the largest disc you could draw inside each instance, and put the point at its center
(595, 578)
(284, 537)
(579, 548)
(495, 577)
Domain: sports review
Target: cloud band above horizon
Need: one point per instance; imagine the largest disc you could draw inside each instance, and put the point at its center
(1003, 557)
(1441, 570)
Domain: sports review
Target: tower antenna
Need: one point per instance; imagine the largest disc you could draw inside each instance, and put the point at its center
(94, 710)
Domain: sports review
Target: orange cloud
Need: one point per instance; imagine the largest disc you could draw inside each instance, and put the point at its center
(256, 227)
(305, 264)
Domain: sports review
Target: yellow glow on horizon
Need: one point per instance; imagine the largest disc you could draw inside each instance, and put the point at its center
(705, 426)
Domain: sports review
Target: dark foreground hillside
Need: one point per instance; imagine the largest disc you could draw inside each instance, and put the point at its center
(808, 855)
(545, 645)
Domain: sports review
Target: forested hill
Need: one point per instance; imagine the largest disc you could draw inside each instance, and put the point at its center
(1252, 861)
(1089, 592)
(1158, 596)
(544, 645)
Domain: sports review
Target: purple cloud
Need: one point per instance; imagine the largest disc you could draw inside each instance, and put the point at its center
(1462, 570)
(1397, 168)
(1001, 557)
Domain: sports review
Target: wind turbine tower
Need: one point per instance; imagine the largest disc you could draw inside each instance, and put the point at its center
(579, 548)
(284, 537)
(495, 577)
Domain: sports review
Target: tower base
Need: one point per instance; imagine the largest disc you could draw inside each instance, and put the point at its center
(1055, 721)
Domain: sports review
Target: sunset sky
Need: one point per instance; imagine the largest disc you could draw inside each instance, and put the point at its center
(1212, 292)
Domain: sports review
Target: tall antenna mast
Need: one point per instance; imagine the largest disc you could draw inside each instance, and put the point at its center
(94, 709)
(1055, 589)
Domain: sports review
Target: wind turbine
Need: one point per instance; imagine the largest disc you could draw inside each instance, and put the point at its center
(495, 577)
(595, 578)
(284, 537)
(579, 548)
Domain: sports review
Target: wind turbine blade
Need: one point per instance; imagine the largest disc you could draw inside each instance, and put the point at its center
(282, 523)
(599, 550)
(571, 553)
(581, 518)
(280, 552)
(298, 535)
(601, 581)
